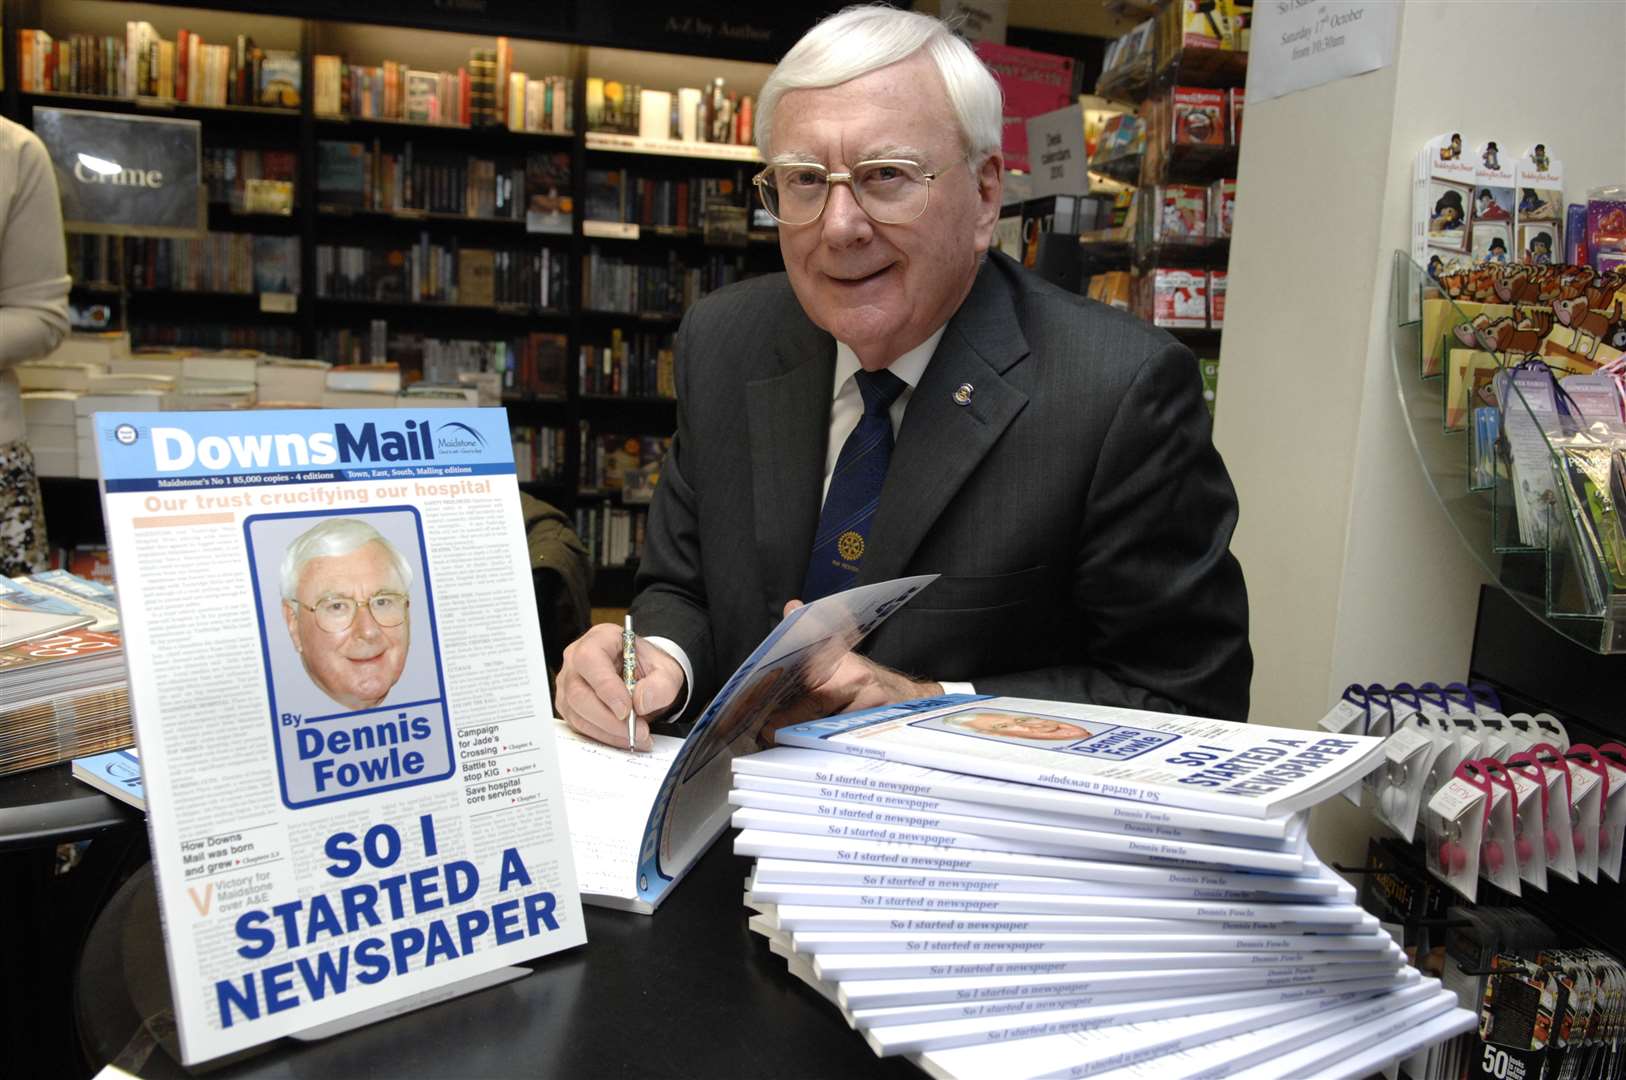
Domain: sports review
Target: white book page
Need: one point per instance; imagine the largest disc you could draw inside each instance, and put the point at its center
(1253, 1047)
(890, 854)
(818, 766)
(1367, 1046)
(608, 793)
(1081, 1050)
(829, 943)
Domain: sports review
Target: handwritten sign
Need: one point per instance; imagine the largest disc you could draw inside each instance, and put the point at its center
(1298, 44)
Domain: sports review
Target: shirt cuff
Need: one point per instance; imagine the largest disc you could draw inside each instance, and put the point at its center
(956, 687)
(675, 651)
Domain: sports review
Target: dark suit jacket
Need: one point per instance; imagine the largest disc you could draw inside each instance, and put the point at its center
(1076, 507)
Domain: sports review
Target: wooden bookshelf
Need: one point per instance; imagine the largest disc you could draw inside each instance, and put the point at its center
(432, 41)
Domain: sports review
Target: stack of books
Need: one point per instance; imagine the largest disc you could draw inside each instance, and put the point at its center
(1005, 887)
(62, 679)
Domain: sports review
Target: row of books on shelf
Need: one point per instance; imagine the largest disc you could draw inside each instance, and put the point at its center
(625, 466)
(539, 454)
(529, 366)
(62, 682)
(215, 262)
(683, 203)
(486, 92)
(713, 114)
(612, 535)
(636, 365)
(186, 69)
(274, 340)
(251, 180)
(359, 176)
(614, 284)
(436, 272)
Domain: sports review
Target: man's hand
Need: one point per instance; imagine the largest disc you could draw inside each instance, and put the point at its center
(592, 699)
(857, 683)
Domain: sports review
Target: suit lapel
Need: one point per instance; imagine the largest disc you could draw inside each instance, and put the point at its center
(788, 415)
(940, 442)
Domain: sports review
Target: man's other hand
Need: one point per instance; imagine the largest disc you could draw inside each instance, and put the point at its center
(857, 683)
(591, 697)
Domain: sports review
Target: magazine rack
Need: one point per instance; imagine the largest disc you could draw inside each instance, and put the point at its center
(1440, 418)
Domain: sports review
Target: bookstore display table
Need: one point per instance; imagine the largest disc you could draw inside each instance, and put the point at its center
(687, 992)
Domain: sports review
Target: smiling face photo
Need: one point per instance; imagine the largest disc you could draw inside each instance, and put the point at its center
(1017, 726)
(346, 597)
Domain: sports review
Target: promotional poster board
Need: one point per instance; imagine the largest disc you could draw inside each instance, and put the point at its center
(341, 706)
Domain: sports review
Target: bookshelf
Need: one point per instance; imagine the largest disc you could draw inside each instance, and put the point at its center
(597, 365)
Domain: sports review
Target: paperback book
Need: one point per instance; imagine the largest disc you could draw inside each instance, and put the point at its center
(1247, 770)
(642, 820)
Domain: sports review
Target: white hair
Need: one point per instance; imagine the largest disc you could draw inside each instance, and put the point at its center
(861, 39)
(331, 538)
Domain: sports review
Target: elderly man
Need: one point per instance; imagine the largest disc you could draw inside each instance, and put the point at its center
(900, 402)
(345, 598)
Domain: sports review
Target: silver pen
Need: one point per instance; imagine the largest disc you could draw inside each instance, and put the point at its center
(629, 676)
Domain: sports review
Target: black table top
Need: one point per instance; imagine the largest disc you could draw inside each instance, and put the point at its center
(688, 992)
(48, 806)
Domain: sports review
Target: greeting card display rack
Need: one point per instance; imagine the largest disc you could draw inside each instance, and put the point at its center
(1545, 579)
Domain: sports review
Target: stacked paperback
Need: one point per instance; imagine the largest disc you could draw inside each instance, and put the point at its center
(62, 683)
(1000, 887)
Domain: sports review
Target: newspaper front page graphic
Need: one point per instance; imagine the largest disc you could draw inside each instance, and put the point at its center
(342, 709)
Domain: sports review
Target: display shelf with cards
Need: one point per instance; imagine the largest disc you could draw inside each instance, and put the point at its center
(1165, 258)
(1531, 491)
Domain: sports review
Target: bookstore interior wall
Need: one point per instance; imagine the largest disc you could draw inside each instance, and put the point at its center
(1371, 581)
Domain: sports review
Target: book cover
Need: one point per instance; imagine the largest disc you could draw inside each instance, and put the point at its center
(548, 202)
(116, 773)
(341, 173)
(276, 264)
(21, 620)
(677, 798)
(421, 91)
(280, 79)
(1248, 770)
(334, 769)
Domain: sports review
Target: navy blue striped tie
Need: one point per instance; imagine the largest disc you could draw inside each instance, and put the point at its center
(855, 490)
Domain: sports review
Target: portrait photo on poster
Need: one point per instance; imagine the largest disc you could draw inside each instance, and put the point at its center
(351, 650)
(1062, 734)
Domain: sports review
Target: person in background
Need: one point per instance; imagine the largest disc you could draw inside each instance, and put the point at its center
(903, 401)
(33, 319)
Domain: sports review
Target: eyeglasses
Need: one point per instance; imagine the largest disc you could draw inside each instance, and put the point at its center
(335, 613)
(890, 191)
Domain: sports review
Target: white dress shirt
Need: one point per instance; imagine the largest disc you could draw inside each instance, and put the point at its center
(846, 408)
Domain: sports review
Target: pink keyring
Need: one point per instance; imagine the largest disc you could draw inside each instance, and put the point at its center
(1491, 850)
(1552, 757)
(1453, 853)
(1522, 763)
(1588, 758)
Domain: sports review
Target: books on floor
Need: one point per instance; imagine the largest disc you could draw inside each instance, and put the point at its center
(955, 879)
